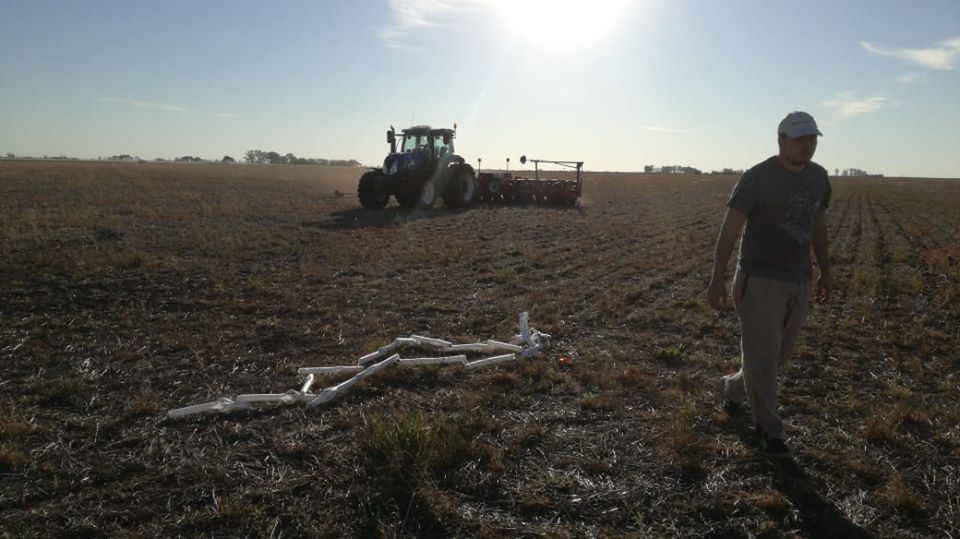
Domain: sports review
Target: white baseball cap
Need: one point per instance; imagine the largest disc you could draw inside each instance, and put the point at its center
(798, 124)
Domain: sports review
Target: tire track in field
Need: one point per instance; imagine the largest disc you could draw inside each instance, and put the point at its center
(674, 280)
(897, 292)
(928, 226)
(619, 256)
(652, 250)
(839, 216)
(684, 271)
(856, 228)
(671, 249)
(844, 245)
(915, 279)
(845, 232)
(871, 246)
(611, 270)
(900, 246)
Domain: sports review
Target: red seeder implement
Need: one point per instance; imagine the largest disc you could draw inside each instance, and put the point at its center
(505, 187)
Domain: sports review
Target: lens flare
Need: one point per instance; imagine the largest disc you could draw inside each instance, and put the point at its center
(562, 24)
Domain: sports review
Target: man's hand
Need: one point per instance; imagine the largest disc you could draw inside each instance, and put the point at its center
(825, 284)
(717, 294)
(824, 287)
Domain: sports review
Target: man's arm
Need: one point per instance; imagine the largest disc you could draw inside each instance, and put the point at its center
(729, 232)
(822, 252)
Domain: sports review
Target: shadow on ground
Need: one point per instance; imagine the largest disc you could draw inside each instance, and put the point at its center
(389, 217)
(396, 216)
(818, 517)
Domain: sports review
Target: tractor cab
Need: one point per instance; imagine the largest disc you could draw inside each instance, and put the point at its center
(419, 147)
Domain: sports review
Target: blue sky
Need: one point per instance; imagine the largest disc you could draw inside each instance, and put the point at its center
(619, 84)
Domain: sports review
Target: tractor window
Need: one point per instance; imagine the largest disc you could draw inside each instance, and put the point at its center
(412, 142)
(440, 146)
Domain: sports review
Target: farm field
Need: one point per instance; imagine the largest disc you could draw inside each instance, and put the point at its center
(128, 290)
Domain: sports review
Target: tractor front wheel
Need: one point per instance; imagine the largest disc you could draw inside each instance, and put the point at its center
(370, 193)
(417, 193)
(461, 186)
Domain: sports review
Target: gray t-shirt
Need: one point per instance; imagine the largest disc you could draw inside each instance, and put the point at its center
(780, 206)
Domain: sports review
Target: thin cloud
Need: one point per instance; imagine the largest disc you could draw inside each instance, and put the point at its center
(909, 78)
(944, 56)
(228, 115)
(412, 15)
(662, 129)
(849, 106)
(145, 104)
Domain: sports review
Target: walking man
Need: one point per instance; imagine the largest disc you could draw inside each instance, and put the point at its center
(783, 202)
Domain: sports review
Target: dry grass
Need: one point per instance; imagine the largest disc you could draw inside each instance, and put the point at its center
(413, 445)
(12, 426)
(130, 289)
(600, 403)
(12, 458)
(408, 454)
(898, 496)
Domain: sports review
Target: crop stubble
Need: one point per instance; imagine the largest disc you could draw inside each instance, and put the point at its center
(130, 289)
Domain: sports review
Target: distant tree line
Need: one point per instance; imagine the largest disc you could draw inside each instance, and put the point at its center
(192, 159)
(671, 169)
(274, 158)
(252, 156)
(677, 169)
(854, 172)
(680, 169)
(61, 157)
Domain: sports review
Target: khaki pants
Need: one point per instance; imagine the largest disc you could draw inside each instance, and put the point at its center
(771, 314)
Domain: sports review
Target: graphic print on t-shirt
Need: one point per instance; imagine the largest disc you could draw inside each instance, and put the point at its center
(798, 218)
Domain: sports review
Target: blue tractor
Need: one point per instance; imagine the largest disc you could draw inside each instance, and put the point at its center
(421, 169)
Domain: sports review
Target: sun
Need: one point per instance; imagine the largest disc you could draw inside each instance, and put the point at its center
(562, 25)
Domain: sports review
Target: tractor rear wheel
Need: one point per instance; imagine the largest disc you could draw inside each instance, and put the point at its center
(417, 193)
(461, 186)
(369, 192)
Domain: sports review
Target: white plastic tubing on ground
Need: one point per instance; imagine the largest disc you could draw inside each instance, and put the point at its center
(528, 343)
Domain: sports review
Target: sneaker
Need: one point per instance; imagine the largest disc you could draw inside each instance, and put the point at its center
(732, 407)
(728, 406)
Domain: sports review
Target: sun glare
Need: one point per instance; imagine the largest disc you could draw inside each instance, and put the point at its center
(561, 24)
